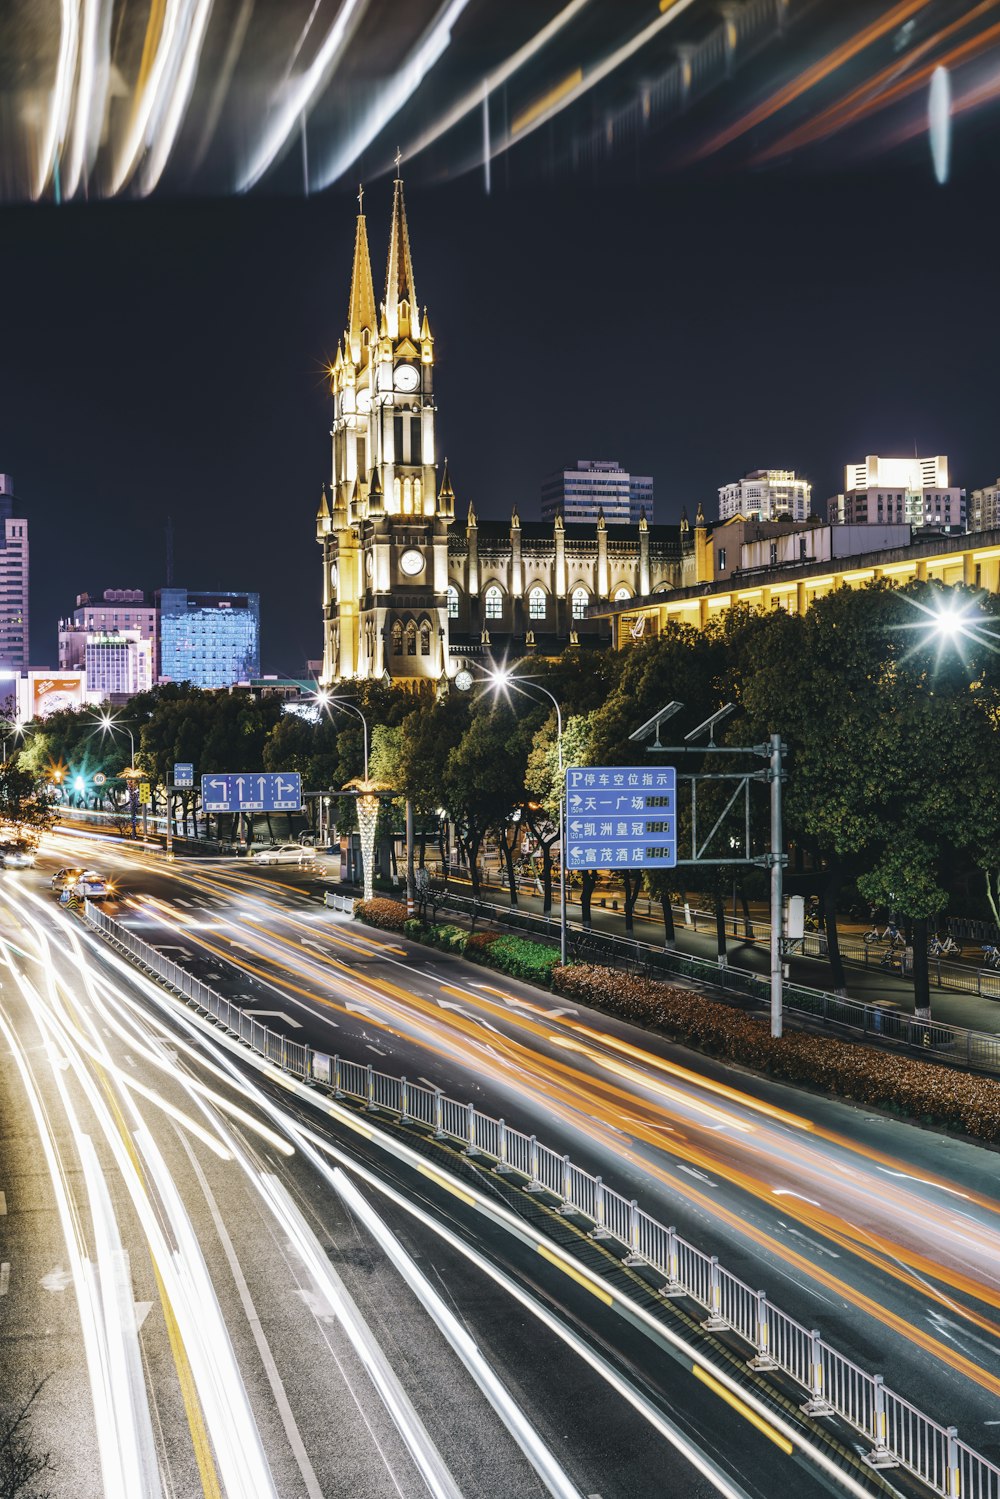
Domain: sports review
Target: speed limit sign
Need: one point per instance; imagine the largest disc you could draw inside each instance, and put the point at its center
(99, 778)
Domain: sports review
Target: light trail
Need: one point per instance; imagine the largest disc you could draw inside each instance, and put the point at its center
(302, 94)
(392, 96)
(178, 93)
(149, 91)
(62, 94)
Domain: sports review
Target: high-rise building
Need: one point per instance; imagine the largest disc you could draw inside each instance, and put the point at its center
(14, 632)
(594, 486)
(114, 611)
(208, 639)
(765, 494)
(117, 665)
(984, 509)
(901, 491)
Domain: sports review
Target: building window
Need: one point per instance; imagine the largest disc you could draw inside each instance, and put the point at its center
(722, 559)
(620, 595)
(494, 603)
(397, 638)
(536, 603)
(411, 639)
(579, 601)
(425, 640)
(407, 497)
(774, 553)
(451, 594)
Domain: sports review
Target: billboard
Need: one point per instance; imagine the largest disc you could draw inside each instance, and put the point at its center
(49, 692)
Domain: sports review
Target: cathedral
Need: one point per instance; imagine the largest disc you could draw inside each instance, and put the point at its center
(408, 595)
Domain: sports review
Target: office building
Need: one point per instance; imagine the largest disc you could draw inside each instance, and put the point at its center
(117, 665)
(765, 494)
(14, 631)
(899, 491)
(592, 487)
(984, 508)
(116, 610)
(208, 639)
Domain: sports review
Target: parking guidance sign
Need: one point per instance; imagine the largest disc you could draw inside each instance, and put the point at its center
(621, 817)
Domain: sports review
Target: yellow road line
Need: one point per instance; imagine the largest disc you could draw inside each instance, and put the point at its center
(574, 1274)
(744, 1410)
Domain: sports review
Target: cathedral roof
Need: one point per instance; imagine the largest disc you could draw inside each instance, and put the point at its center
(399, 270)
(361, 313)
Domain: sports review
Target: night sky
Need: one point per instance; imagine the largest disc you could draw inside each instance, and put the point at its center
(166, 357)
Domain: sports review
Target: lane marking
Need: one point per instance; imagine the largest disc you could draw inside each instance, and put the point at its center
(743, 1410)
(574, 1274)
(446, 1185)
(295, 1024)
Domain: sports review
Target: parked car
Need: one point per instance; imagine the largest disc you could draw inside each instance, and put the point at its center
(63, 878)
(91, 886)
(282, 853)
(17, 855)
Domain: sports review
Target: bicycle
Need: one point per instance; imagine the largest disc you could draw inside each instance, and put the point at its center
(991, 955)
(892, 935)
(943, 948)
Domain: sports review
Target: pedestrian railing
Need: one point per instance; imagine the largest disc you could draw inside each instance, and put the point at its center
(337, 902)
(900, 1435)
(802, 1006)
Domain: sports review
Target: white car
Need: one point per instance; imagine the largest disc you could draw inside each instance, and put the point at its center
(283, 853)
(91, 886)
(17, 856)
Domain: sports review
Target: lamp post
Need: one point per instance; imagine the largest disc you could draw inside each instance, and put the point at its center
(109, 725)
(367, 802)
(500, 677)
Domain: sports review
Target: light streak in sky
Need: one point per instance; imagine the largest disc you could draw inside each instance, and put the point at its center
(394, 94)
(178, 93)
(939, 122)
(303, 92)
(149, 90)
(91, 36)
(62, 94)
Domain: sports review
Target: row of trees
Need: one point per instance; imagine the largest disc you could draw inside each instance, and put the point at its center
(888, 700)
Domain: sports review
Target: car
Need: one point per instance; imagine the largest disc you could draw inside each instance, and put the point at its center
(282, 853)
(17, 856)
(91, 886)
(63, 878)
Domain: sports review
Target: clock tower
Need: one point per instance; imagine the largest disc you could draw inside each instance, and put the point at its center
(383, 526)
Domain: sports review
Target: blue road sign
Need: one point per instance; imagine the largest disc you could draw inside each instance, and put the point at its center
(183, 775)
(621, 817)
(257, 791)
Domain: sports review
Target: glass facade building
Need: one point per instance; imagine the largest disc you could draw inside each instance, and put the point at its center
(209, 639)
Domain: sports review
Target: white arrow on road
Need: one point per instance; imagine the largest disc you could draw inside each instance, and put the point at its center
(296, 1024)
(449, 1004)
(56, 1280)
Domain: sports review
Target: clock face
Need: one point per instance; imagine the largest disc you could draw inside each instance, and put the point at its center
(364, 398)
(333, 575)
(463, 680)
(412, 562)
(369, 564)
(407, 377)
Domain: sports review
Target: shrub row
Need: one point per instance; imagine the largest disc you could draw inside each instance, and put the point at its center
(390, 915)
(516, 956)
(884, 1080)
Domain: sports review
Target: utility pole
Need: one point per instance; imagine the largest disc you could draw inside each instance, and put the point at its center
(777, 860)
(410, 883)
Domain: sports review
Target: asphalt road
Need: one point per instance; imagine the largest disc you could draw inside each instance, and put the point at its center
(195, 1270)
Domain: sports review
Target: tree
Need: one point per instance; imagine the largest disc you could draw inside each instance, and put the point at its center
(545, 785)
(24, 798)
(484, 779)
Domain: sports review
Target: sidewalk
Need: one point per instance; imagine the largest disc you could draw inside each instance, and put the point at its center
(871, 985)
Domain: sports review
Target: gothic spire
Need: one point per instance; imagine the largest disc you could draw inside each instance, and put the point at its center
(362, 310)
(399, 270)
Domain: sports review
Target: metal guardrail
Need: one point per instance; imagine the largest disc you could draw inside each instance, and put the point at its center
(339, 902)
(930, 1038)
(900, 1434)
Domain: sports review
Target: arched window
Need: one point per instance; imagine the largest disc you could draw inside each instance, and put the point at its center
(397, 638)
(411, 639)
(620, 594)
(537, 603)
(397, 495)
(451, 593)
(494, 602)
(407, 497)
(418, 496)
(425, 640)
(579, 600)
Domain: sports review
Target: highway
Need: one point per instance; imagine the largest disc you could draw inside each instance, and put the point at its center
(883, 1235)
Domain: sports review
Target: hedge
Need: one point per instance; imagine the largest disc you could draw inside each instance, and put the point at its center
(390, 915)
(885, 1080)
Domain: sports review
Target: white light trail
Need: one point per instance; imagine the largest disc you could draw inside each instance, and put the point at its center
(541, 1457)
(62, 93)
(496, 79)
(405, 82)
(84, 96)
(137, 137)
(939, 121)
(178, 95)
(303, 92)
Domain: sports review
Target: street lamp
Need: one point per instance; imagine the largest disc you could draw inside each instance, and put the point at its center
(109, 725)
(501, 678)
(326, 699)
(367, 801)
(17, 732)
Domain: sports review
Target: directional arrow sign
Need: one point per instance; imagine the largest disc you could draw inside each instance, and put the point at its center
(622, 817)
(245, 791)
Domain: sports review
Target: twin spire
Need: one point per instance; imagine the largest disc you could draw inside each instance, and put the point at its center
(399, 285)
